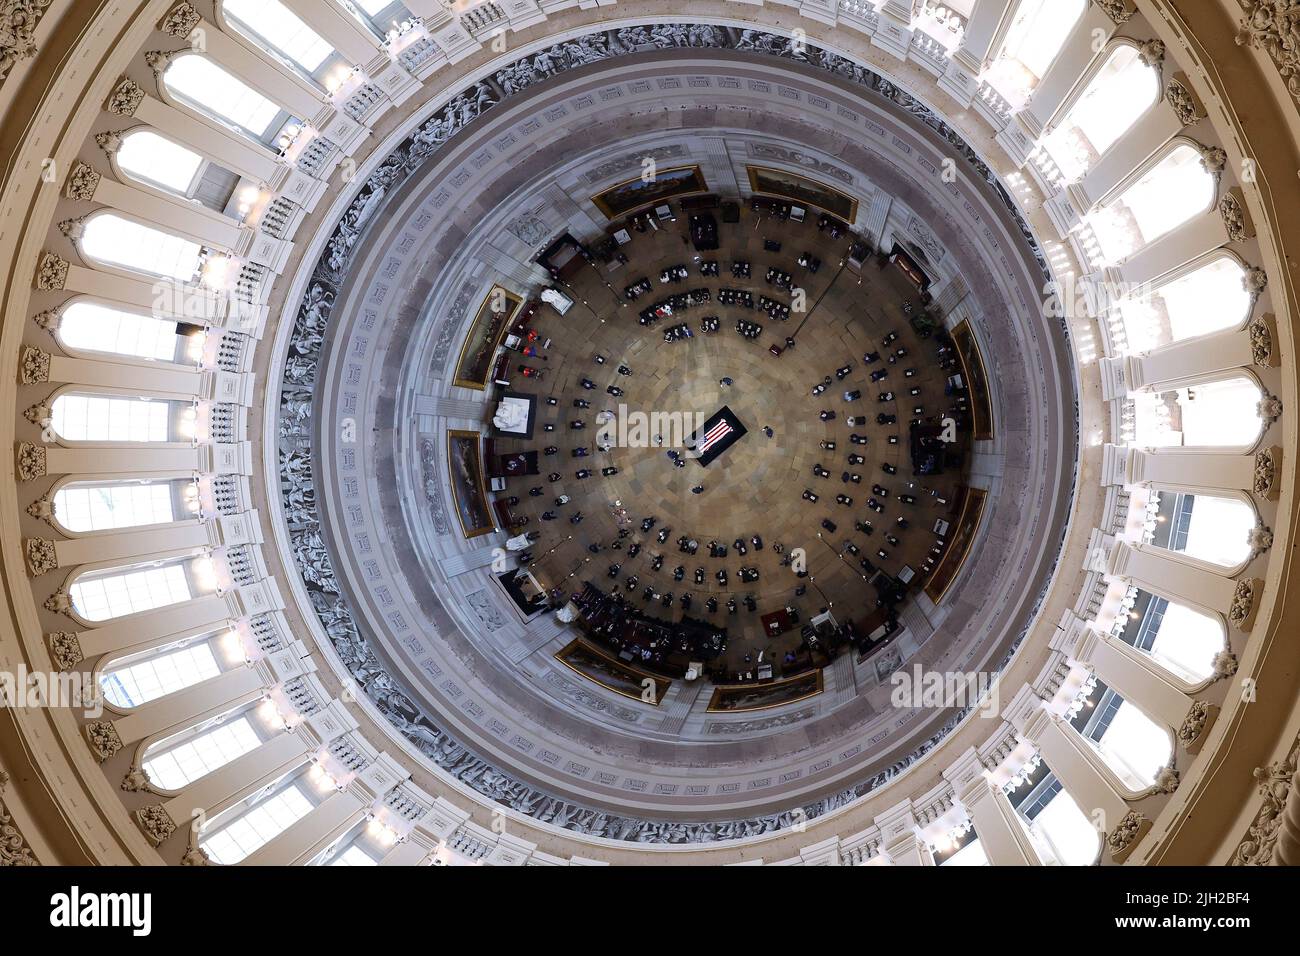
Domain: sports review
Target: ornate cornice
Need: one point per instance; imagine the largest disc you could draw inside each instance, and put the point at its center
(1274, 27)
(18, 22)
(14, 850)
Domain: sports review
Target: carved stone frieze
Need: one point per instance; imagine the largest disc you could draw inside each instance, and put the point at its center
(1235, 217)
(1179, 95)
(1194, 724)
(1126, 834)
(1267, 461)
(1274, 27)
(18, 21)
(1120, 11)
(1242, 609)
(1274, 785)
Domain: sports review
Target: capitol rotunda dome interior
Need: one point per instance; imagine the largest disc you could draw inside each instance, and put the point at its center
(579, 432)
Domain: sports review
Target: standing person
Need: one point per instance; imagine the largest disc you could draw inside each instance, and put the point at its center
(726, 381)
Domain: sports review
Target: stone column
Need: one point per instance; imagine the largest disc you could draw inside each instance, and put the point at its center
(1001, 832)
(1154, 570)
(985, 29)
(295, 845)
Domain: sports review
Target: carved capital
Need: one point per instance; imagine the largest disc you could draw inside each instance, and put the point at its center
(159, 60)
(103, 739)
(155, 822)
(1126, 834)
(1262, 351)
(37, 414)
(74, 229)
(1241, 613)
(1269, 408)
(31, 461)
(14, 850)
(1213, 159)
(181, 21)
(125, 98)
(1235, 217)
(1186, 105)
(43, 509)
(1267, 462)
(1151, 52)
(82, 182)
(33, 366)
(136, 781)
(1198, 720)
(41, 556)
(51, 273)
(48, 320)
(65, 648)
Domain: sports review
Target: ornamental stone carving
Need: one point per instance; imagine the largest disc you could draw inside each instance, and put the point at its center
(103, 738)
(1235, 218)
(1265, 473)
(34, 366)
(195, 856)
(1225, 664)
(1124, 837)
(52, 273)
(1118, 10)
(31, 461)
(1274, 27)
(1179, 95)
(82, 182)
(1194, 724)
(38, 414)
(74, 229)
(1166, 780)
(58, 602)
(180, 22)
(110, 141)
(135, 781)
(155, 822)
(48, 320)
(1260, 539)
(43, 509)
(1269, 408)
(1243, 603)
(65, 648)
(1151, 52)
(18, 20)
(1255, 281)
(1274, 786)
(41, 556)
(159, 60)
(1213, 159)
(125, 98)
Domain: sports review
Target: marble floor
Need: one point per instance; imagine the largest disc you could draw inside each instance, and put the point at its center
(755, 487)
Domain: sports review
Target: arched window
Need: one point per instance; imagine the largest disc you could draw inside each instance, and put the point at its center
(94, 327)
(1181, 640)
(1033, 41)
(174, 766)
(1218, 414)
(258, 825)
(1122, 90)
(157, 160)
(1063, 834)
(1208, 299)
(1167, 195)
(101, 418)
(123, 242)
(271, 23)
(211, 88)
(129, 503)
(1204, 527)
(1130, 742)
(104, 595)
(131, 683)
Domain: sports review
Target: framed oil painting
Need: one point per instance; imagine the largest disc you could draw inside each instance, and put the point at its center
(628, 196)
(801, 190)
(474, 367)
(465, 465)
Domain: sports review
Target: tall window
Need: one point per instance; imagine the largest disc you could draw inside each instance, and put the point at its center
(1033, 41)
(198, 80)
(102, 418)
(132, 245)
(173, 766)
(119, 504)
(1204, 527)
(102, 596)
(1130, 742)
(259, 826)
(1171, 192)
(1211, 298)
(1122, 90)
(146, 155)
(1219, 414)
(134, 684)
(1182, 640)
(94, 327)
(272, 23)
(354, 856)
(1064, 831)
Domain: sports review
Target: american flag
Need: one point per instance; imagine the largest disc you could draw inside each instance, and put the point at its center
(714, 435)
